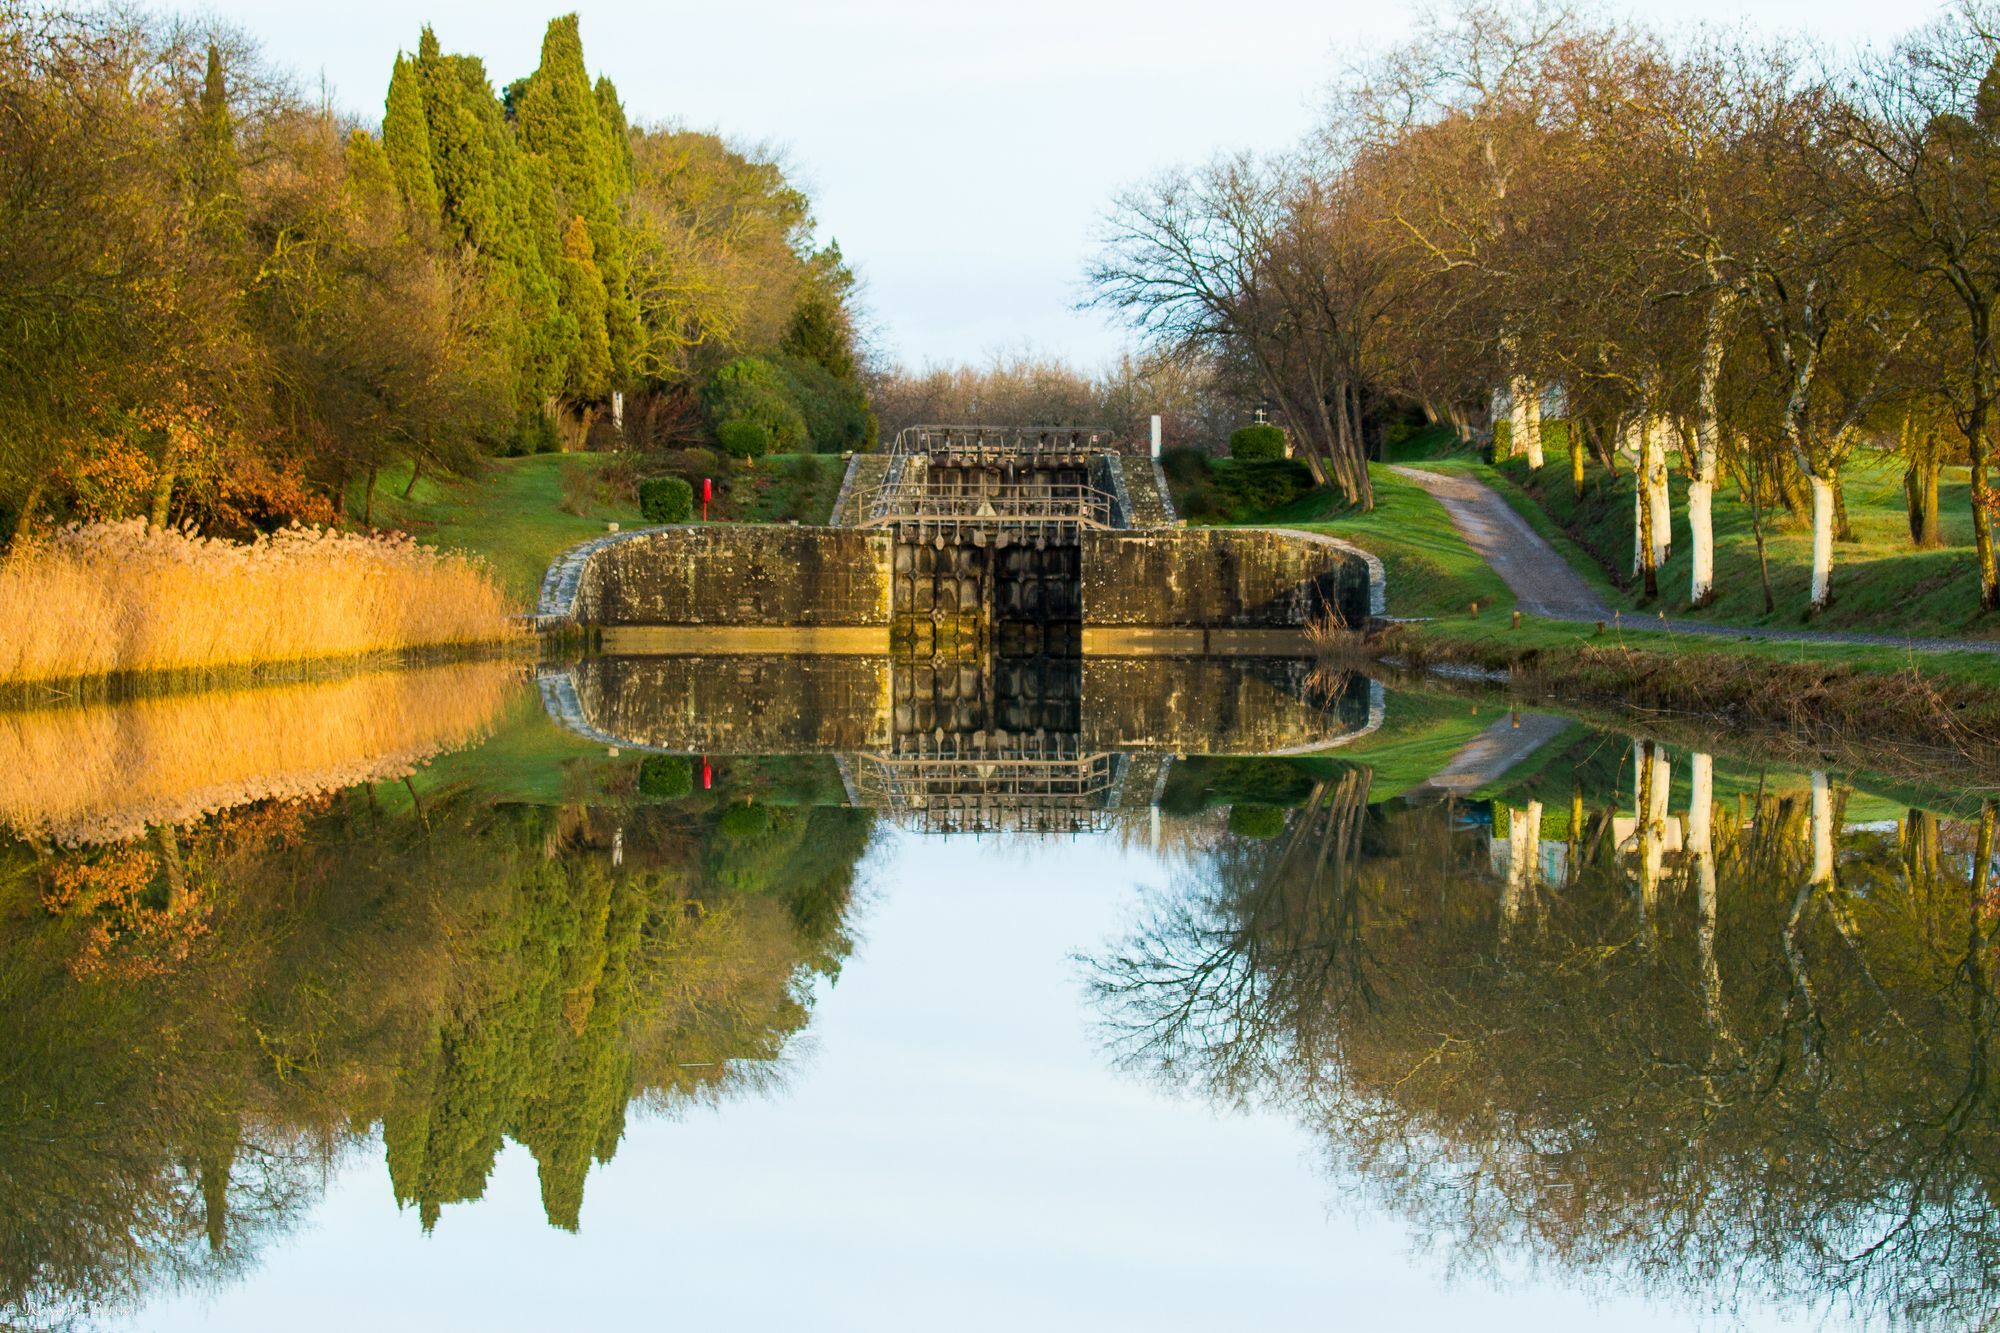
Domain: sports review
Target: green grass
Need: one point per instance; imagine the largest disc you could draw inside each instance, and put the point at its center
(1429, 569)
(1880, 583)
(518, 514)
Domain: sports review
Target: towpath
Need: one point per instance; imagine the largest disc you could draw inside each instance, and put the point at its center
(1545, 585)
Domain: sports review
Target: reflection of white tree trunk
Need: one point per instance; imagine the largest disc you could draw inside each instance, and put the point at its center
(1701, 846)
(1524, 863)
(1654, 774)
(1822, 828)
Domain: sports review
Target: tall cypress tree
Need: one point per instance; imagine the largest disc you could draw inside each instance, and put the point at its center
(214, 181)
(562, 118)
(406, 137)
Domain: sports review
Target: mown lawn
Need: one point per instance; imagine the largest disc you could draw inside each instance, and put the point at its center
(1880, 583)
(520, 513)
(517, 514)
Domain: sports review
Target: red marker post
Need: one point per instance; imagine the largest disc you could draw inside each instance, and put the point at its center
(707, 493)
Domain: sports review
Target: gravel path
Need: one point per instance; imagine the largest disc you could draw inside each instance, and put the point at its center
(1545, 585)
(1494, 751)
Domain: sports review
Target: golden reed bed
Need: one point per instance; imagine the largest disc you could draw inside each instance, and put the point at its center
(106, 772)
(122, 597)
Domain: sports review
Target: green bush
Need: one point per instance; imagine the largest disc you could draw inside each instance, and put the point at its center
(1257, 443)
(836, 411)
(1274, 782)
(745, 821)
(1249, 488)
(666, 500)
(534, 433)
(1501, 444)
(1203, 501)
(666, 777)
(751, 389)
(743, 438)
(1256, 821)
(1184, 467)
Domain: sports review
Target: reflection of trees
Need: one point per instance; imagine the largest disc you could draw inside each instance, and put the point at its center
(1777, 1087)
(452, 971)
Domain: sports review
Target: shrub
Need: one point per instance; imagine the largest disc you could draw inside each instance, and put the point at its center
(1256, 821)
(1272, 782)
(1202, 502)
(1248, 488)
(1184, 467)
(666, 777)
(666, 500)
(1502, 442)
(836, 411)
(751, 389)
(743, 438)
(534, 433)
(745, 821)
(1257, 443)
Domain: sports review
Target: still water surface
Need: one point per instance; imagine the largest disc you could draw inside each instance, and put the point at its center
(411, 1001)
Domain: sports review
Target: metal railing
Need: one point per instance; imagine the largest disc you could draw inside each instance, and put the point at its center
(904, 501)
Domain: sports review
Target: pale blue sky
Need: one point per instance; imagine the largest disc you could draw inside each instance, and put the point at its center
(961, 153)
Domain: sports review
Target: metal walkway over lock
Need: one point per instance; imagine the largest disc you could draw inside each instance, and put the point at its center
(975, 485)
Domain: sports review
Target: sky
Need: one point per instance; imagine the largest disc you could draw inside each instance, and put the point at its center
(963, 155)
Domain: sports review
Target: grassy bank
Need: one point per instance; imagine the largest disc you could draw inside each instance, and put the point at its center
(1881, 583)
(518, 514)
(121, 598)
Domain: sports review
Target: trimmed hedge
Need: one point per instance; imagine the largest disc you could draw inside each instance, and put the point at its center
(666, 500)
(1256, 821)
(1257, 443)
(666, 777)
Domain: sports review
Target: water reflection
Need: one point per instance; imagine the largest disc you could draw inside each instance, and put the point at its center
(1662, 1021)
(1660, 1017)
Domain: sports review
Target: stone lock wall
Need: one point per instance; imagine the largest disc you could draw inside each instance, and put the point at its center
(734, 575)
(1221, 578)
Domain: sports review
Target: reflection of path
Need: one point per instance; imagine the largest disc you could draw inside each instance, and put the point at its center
(1545, 585)
(1494, 751)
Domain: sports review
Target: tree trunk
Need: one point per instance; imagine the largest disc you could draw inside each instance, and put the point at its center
(1920, 493)
(1982, 521)
(1843, 531)
(163, 495)
(1657, 496)
(1701, 546)
(1756, 489)
(1822, 542)
(416, 470)
(1575, 456)
(368, 500)
(1528, 409)
(24, 522)
(1707, 453)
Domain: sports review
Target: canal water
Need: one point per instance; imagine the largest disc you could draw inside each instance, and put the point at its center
(869, 995)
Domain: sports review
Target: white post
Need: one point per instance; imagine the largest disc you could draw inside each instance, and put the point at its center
(618, 410)
(1156, 435)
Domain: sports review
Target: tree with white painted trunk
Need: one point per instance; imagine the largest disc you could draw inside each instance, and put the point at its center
(1818, 293)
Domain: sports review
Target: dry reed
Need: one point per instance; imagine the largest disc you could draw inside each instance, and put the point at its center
(112, 598)
(106, 772)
